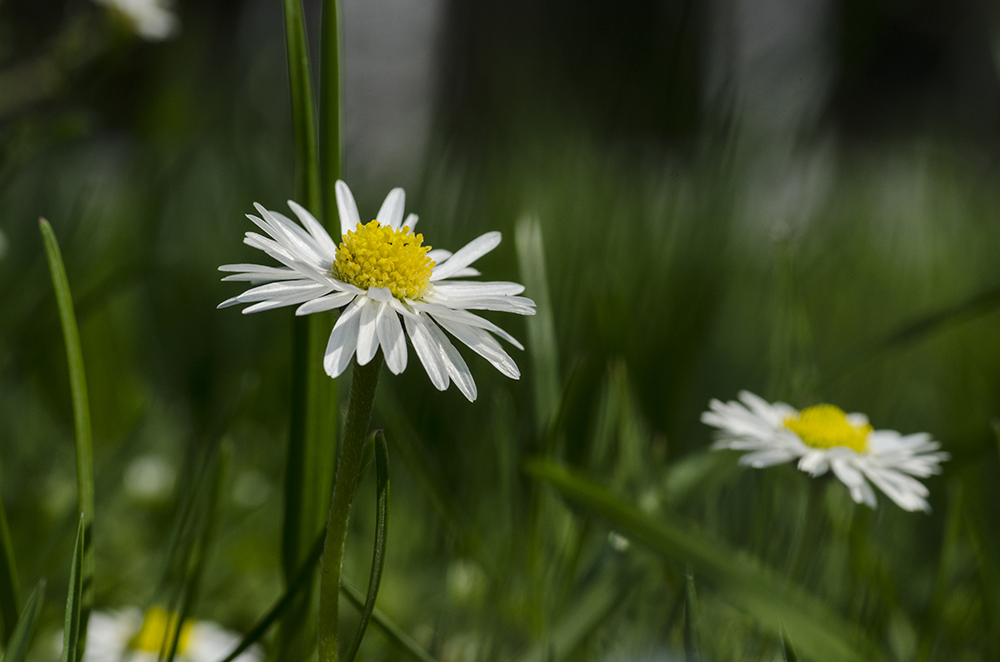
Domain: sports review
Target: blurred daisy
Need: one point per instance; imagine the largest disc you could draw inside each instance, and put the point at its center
(385, 279)
(136, 637)
(824, 438)
(152, 20)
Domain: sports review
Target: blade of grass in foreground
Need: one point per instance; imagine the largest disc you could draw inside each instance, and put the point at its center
(72, 636)
(787, 648)
(818, 631)
(9, 593)
(199, 555)
(20, 638)
(692, 651)
(395, 633)
(81, 417)
(378, 555)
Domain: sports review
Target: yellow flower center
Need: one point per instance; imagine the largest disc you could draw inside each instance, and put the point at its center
(826, 426)
(374, 255)
(157, 626)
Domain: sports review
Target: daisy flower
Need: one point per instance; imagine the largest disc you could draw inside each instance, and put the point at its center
(385, 280)
(129, 635)
(824, 438)
(153, 20)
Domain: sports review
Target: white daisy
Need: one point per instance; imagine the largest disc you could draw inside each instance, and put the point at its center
(131, 636)
(153, 20)
(825, 437)
(384, 279)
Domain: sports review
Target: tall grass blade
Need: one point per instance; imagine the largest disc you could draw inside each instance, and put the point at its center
(787, 648)
(378, 555)
(329, 101)
(396, 635)
(820, 632)
(692, 651)
(73, 643)
(191, 589)
(81, 417)
(313, 434)
(9, 591)
(20, 639)
(541, 327)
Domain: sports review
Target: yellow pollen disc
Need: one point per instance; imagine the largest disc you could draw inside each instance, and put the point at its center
(826, 426)
(377, 256)
(157, 626)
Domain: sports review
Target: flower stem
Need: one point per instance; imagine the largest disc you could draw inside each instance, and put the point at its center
(348, 467)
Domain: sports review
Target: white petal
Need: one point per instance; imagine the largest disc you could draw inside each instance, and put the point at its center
(380, 294)
(391, 212)
(347, 209)
(315, 228)
(327, 302)
(258, 273)
(439, 254)
(506, 304)
(427, 351)
(908, 493)
(483, 344)
(453, 361)
(411, 222)
(390, 336)
(465, 317)
(471, 252)
(469, 290)
(766, 458)
(343, 340)
(367, 339)
(855, 481)
(814, 463)
(290, 290)
(466, 272)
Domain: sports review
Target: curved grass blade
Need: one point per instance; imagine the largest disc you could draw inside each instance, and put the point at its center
(20, 638)
(196, 565)
(302, 579)
(541, 328)
(818, 631)
(81, 415)
(395, 633)
(692, 651)
(786, 646)
(9, 591)
(378, 554)
(73, 642)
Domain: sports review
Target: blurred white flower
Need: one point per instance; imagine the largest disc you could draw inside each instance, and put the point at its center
(380, 273)
(824, 437)
(149, 477)
(131, 635)
(153, 20)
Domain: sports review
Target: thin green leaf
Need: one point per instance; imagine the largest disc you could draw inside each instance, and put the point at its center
(309, 467)
(395, 633)
(378, 555)
(302, 578)
(820, 632)
(579, 622)
(329, 101)
(72, 635)
(9, 592)
(541, 327)
(191, 589)
(692, 650)
(787, 648)
(81, 415)
(20, 638)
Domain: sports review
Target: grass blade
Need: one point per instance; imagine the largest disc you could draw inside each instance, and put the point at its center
(302, 577)
(821, 633)
(329, 101)
(378, 554)
(692, 651)
(541, 327)
(20, 638)
(9, 591)
(81, 416)
(395, 633)
(196, 567)
(73, 642)
(787, 648)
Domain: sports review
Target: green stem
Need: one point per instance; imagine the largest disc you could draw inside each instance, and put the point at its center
(349, 466)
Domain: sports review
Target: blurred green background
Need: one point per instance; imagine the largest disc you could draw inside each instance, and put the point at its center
(798, 199)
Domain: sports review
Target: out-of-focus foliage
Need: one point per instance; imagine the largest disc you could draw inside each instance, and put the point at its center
(683, 262)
